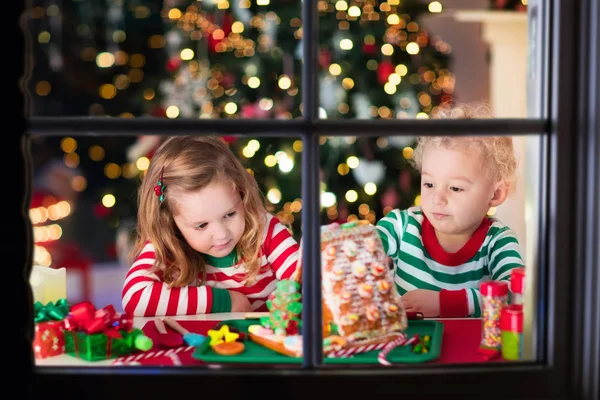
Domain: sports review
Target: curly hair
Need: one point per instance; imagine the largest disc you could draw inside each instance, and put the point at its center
(192, 163)
(496, 152)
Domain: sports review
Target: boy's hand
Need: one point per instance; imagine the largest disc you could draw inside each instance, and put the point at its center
(239, 302)
(422, 300)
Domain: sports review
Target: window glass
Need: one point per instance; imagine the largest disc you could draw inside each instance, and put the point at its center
(420, 199)
(403, 59)
(84, 213)
(171, 58)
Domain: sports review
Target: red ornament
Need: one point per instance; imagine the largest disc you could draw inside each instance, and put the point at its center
(405, 181)
(229, 139)
(390, 198)
(173, 64)
(158, 112)
(369, 48)
(385, 69)
(100, 211)
(292, 327)
(324, 58)
(225, 26)
(228, 80)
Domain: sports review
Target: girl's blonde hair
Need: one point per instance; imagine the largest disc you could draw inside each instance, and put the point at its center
(496, 152)
(191, 163)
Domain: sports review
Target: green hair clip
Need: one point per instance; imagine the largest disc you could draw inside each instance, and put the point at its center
(159, 189)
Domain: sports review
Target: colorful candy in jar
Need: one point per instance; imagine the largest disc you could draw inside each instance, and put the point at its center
(494, 295)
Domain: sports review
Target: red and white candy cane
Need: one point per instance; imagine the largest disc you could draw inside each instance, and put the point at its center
(399, 341)
(344, 353)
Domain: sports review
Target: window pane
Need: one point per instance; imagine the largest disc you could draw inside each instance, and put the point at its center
(402, 59)
(439, 251)
(171, 58)
(84, 212)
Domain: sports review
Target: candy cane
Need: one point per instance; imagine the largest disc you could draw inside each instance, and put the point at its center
(343, 353)
(400, 341)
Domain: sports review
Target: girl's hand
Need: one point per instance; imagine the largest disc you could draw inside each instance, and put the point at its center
(422, 300)
(239, 302)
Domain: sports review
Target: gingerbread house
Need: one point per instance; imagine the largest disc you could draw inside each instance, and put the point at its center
(361, 306)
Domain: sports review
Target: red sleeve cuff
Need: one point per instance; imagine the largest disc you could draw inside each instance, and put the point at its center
(453, 303)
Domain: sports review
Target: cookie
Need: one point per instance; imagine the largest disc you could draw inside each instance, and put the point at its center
(229, 348)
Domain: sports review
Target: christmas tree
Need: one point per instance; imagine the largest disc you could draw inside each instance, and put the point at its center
(243, 60)
(238, 59)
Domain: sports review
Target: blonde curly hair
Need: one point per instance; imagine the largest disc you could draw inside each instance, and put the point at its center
(496, 152)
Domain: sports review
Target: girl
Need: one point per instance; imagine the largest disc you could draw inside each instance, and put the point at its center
(205, 240)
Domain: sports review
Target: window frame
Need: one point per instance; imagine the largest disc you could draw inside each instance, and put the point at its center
(569, 339)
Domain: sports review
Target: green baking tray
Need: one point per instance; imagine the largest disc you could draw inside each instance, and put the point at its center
(257, 354)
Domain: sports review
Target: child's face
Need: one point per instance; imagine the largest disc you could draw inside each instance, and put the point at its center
(211, 219)
(456, 193)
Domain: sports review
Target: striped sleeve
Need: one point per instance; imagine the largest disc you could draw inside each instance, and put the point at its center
(145, 294)
(281, 249)
(390, 231)
(504, 254)
(474, 300)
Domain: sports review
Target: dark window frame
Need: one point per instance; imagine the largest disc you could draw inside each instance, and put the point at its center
(569, 338)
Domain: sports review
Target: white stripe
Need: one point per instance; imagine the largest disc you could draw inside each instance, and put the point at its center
(391, 241)
(140, 261)
(441, 268)
(184, 295)
(268, 218)
(148, 247)
(501, 250)
(163, 300)
(470, 304)
(142, 273)
(403, 284)
(134, 289)
(427, 278)
(478, 297)
(175, 359)
(144, 299)
(281, 247)
(504, 276)
(507, 260)
(257, 304)
(265, 292)
(232, 270)
(202, 301)
(231, 283)
(286, 265)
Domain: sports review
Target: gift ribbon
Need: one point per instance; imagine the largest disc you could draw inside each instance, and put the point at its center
(51, 311)
(84, 317)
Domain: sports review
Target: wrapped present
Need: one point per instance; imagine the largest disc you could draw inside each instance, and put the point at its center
(49, 338)
(101, 334)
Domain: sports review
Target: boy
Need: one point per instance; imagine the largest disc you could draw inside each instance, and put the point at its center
(443, 249)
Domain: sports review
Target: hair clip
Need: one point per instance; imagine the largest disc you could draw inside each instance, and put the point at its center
(159, 189)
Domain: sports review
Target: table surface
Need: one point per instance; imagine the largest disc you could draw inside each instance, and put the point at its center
(452, 352)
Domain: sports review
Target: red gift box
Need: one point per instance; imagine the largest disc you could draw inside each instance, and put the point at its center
(49, 339)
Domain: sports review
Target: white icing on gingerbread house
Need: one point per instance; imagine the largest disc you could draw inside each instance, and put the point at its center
(360, 300)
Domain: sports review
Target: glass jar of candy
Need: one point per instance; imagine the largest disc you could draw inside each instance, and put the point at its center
(517, 285)
(511, 327)
(494, 297)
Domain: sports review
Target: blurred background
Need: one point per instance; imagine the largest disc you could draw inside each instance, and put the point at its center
(243, 59)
